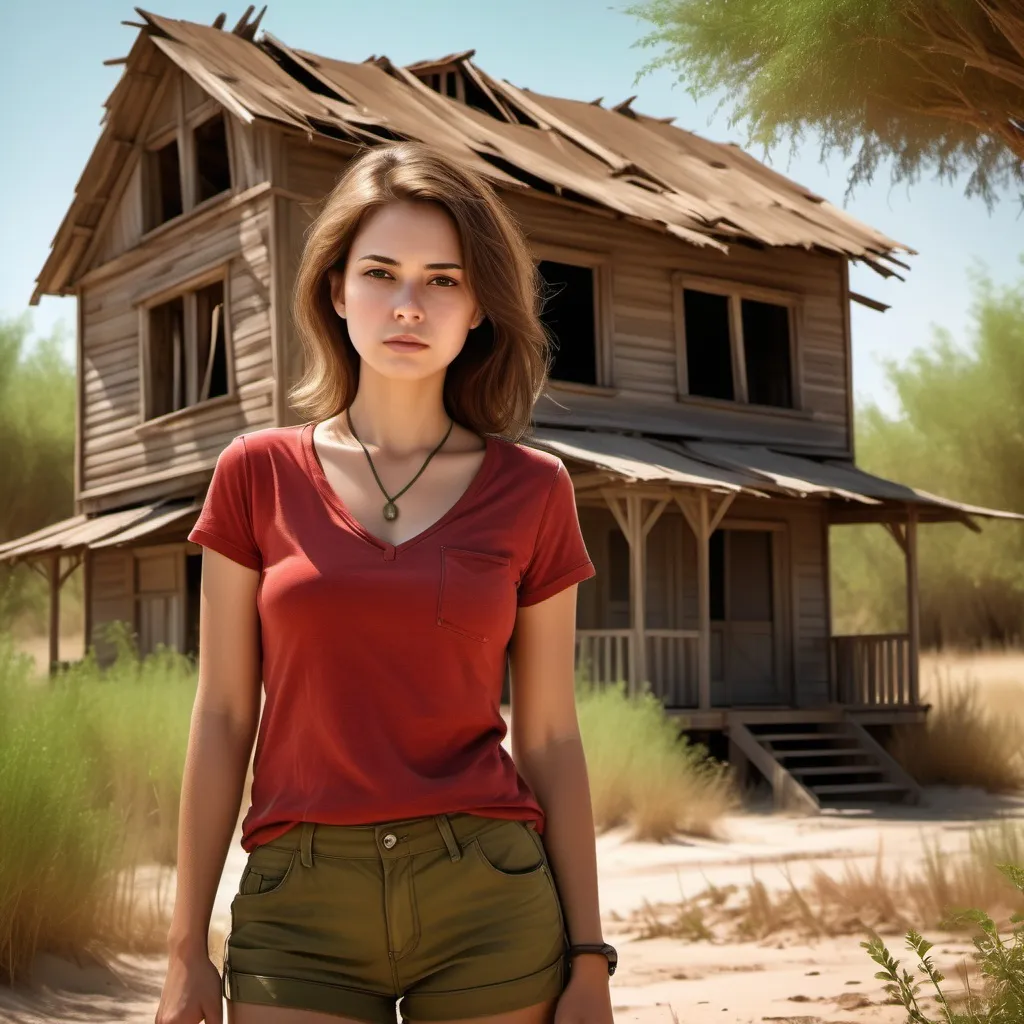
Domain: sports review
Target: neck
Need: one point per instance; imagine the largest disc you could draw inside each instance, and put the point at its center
(395, 417)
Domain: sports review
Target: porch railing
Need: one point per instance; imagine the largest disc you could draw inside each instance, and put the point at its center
(672, 665)
(871, 670)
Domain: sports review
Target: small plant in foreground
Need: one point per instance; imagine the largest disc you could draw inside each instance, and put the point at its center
(1000, 962)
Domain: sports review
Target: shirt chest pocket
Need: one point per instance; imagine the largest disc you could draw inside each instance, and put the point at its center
(475, 587)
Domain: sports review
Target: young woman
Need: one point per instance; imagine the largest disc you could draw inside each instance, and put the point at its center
(373, 567)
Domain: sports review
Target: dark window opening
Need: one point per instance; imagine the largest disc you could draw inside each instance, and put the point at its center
(767, 355)
(618, 566)
(167, 357)
(450, 86)
(211, 355)
(213, 169)
(716, 558)
(193, 581)
(165, 201)
(570, 320)
(708, 344)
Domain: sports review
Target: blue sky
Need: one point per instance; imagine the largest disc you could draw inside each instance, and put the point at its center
(54, 83)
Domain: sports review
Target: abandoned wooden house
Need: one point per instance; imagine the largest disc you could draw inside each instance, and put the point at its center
(701, 395)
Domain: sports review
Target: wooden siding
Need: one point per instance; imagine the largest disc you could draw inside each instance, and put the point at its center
(117, 459)
(643, 330)
(112, 596)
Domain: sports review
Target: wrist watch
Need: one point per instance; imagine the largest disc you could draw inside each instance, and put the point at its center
(603, 947)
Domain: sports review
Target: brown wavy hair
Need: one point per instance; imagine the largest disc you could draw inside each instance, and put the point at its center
(491, 386)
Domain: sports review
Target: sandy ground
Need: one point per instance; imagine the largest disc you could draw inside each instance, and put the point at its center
(664, 979)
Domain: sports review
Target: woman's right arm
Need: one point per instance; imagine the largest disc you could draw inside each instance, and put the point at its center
(223, 725)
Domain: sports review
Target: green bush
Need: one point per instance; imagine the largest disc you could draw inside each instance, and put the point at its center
(643, 770)
(1000, 962)
(91, 762)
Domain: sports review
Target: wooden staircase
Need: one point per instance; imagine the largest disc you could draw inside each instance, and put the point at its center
(817, 761)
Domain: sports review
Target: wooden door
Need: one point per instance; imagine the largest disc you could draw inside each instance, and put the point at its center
(745, 655)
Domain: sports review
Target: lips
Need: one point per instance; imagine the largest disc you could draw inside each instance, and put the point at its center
(406, 344)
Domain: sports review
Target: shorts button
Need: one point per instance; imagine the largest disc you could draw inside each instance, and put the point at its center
(389, 840)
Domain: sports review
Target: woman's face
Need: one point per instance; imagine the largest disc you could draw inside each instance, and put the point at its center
(404, 276)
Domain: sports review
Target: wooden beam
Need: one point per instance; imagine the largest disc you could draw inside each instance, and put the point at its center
(704, 603)
(913, 605)
(637, 548)
(54, 612)
(896, 531)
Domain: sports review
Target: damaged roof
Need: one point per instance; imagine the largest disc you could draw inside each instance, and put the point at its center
(643, 169)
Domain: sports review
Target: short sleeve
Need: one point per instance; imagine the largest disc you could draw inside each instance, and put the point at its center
(225, 520)
(560, 556)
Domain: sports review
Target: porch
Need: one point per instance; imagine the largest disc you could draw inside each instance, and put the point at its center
(713, 581)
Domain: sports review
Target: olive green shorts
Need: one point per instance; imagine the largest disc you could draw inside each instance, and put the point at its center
(456, 915)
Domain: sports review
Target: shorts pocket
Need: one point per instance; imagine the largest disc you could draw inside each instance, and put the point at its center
(475, 585)
(507, 851)
(266, 871)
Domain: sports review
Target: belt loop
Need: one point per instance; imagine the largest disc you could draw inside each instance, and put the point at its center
(445, 827)
(307, 843)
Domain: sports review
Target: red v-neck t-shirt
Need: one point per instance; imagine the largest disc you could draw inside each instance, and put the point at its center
(383, 664)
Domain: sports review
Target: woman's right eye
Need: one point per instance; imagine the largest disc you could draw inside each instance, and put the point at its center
(376, 270)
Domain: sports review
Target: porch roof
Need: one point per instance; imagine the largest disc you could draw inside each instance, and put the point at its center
(106, 530)
(643, 460)
(838, 479)
(752, 469)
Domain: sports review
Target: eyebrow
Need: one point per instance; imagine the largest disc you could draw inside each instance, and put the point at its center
(394, 263)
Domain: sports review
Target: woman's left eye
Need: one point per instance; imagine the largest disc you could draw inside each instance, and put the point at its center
(451, 281)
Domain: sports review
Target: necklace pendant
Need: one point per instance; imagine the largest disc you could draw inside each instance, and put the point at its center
(390, 511)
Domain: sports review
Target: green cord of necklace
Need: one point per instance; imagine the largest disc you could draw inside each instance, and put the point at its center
(373, 469)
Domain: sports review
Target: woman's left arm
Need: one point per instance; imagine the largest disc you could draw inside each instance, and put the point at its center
(548, 753)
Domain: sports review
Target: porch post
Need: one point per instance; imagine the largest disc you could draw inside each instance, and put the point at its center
(704, 602)
(637, 550)
(913, 605)
(55, 582)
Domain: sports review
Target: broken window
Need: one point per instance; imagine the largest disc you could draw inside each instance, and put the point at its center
(213, 169)
(766, 351)
(164, 184)
(167, 357)
(211, 357)
(708, 344)
(760, 370)
(569, 316)
(186, 348)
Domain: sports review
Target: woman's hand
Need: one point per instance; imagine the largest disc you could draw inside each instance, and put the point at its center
(587, 998)
(191, 993)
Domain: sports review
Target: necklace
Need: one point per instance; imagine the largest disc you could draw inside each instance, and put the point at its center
(390, 508)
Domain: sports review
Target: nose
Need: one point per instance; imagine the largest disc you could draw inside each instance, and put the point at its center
(409, 306)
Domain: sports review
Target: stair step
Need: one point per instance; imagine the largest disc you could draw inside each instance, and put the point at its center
(838, 769)
(771, 737)
(823, 752)
(854, 787)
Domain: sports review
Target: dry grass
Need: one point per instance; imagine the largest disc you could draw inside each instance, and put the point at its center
(974, 735)
(880, 899)
(643, 773)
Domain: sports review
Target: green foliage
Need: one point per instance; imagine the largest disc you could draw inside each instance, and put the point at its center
(960, 434)
(91, 763)
(642, 770)
(1000, 962)
(917, 81)
(37, 444)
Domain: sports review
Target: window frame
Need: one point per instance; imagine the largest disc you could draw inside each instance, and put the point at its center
(186, 290)
(735, 292)
(601, 264)
(183, 132)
